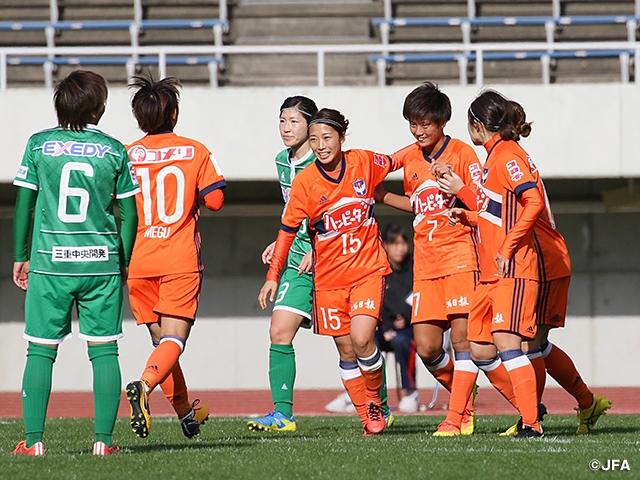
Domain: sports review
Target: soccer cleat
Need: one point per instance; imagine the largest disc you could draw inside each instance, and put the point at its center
(191, 422)
(274, 421)
(447, 429)
(138, 408)
(512, 431)
(101, 449)
(528, 431)
(341, 404)
(410, 403)
(375, 418)
(468, 422)
(35, 450)
(590, 416)
(388, 417)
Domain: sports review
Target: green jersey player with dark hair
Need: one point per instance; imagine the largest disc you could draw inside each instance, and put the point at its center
(69, 176)
(292, 307)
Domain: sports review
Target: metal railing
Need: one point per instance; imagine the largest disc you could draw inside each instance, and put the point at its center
(162, 53)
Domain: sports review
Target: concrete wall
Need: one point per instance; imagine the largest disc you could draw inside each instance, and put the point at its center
(579, 130)
(232, 353)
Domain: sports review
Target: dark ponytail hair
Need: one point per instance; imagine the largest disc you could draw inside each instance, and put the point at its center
(500, 115)
(155, 102)
(299, 103)
(333, 118)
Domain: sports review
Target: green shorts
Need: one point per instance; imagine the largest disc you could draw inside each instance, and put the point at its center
(50, 299)
(295, 294)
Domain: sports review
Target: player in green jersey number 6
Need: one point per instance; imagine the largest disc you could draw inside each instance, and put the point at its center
(69, 176)
(293, 303)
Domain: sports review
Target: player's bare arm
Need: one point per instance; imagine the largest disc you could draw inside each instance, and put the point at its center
(401, 202)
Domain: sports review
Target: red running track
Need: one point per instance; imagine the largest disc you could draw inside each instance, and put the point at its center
(312, 402)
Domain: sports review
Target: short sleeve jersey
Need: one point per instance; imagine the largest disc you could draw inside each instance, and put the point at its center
(553, 255)
(173, 172)
(440, 249)
(287, 171)
(506, 174)
(344, 231)
(76, 175)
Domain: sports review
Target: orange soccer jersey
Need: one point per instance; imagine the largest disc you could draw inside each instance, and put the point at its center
(344, 232)
(553, 254)
(172, 171)
(440, 249)
(505, 176)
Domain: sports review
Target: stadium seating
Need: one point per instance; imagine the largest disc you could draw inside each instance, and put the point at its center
(251, 27)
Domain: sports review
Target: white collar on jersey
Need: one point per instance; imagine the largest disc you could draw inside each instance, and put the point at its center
(301, 160)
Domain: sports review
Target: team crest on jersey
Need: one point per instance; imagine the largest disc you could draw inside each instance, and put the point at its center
(132, 172)
(485, 174)
(286, 192)
(140, 154)
(55, 148)
(532, 166)
(380, 160)
(360, 187)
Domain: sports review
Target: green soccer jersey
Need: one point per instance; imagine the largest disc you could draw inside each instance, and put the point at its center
(287, 171)
(76, 175)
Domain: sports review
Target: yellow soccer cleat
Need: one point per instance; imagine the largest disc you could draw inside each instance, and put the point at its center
(468, 423)
(447, 429)
(512, 431)
(274, 421)
(138, 408)
(191, 422)
(590, 416)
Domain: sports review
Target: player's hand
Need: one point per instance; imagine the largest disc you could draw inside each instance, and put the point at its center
(456, 216)
(450, 182)
(389, 335)
(503, 265)
(268, 253)
(438, 169)
(306, 264)
(267, 292)
(124, 275)
(400, 322)
(21, 274)
(379, 193)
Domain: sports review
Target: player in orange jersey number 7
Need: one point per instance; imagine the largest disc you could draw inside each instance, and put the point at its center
(336, 194)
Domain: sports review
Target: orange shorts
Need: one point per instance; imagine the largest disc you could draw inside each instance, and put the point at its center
(439, 298)
(552, 302)
(508, 305)
(170, 295)
(334, 309)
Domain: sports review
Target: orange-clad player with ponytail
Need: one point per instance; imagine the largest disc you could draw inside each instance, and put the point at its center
(176, 174)
(554, 267)
(336, 194)
(509, 203)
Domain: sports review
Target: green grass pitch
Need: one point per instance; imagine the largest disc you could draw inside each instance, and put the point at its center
(327, 448)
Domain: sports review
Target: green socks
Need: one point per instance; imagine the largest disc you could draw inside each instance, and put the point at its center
(282, 374)
(36, 387)
(107, 386)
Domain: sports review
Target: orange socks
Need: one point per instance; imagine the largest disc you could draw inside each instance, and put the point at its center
(442, 369)
(162, 361)
(465, 374)
(537, 362)
(562, 370)
(371, 368)
(175, 389)
(523, 379)
(353, 382)
(499, 378)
